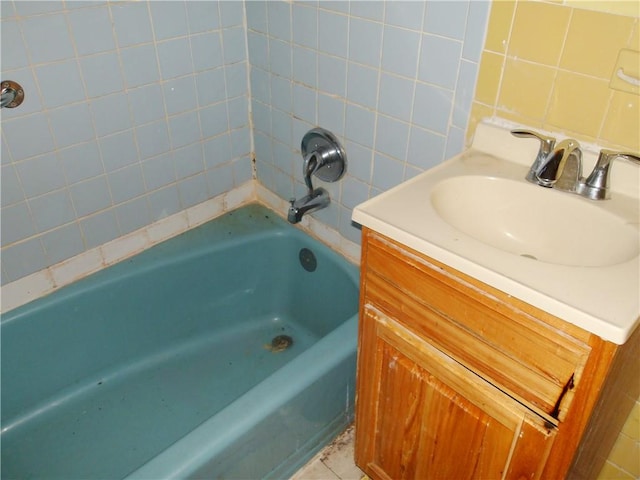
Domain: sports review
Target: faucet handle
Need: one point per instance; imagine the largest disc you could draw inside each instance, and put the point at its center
(546, 143)
(613, 154)
(596, 186)
(546, 146)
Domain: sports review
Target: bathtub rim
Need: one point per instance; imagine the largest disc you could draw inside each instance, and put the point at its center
(192, 452)
(42, 283)
(279, 227)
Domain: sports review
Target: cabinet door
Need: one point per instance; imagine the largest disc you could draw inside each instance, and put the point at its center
(422, 415)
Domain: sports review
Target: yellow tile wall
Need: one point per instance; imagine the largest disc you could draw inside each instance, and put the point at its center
(547, 64)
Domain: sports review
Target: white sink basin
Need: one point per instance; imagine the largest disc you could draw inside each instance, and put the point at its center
(534, 222)
(575, 258)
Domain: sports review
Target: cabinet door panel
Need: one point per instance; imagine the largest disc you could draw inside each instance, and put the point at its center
(459, 439)
(399, 414)
(531, 451)
(433, 417)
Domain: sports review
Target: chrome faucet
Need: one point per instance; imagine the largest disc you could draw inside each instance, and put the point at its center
(560, 167)
(315, 199)
(555, 166)
(325, 158)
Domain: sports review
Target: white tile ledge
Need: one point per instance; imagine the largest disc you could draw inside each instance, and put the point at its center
(46, 281)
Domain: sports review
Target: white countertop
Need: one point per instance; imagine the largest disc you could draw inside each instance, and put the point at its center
(604, 300)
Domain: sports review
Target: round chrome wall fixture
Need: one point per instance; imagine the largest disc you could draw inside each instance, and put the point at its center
(334, 158)
(12, 94)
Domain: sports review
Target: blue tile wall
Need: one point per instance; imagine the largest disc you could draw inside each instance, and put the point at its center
(138, 109)
(393, 80)
(133, 111)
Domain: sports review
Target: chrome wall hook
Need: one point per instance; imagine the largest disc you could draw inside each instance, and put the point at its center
(12, 94)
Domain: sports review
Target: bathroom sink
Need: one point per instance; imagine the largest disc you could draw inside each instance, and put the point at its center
(534, 222)
(574, 258)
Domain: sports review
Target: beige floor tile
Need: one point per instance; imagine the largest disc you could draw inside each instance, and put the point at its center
(316, 470)
(339, 457)
(334, 462)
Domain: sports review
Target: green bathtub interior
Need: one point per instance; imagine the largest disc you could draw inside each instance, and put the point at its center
(158, 366)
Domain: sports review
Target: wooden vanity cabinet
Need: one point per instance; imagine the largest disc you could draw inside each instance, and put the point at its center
(457, 380)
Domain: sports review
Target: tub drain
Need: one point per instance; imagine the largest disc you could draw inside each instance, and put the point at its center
(307, 260)
(279, 343)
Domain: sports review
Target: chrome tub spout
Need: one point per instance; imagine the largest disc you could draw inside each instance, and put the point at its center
(315, 200)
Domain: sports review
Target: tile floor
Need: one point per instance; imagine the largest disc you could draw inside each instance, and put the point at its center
(334, 462)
